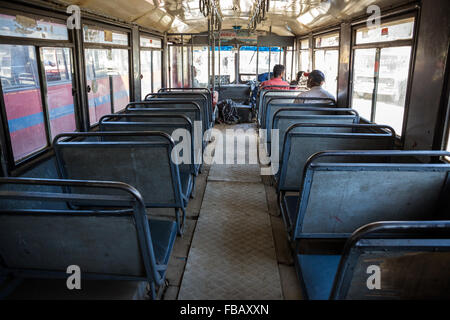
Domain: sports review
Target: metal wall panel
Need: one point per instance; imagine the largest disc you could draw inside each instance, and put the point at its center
(429, 74)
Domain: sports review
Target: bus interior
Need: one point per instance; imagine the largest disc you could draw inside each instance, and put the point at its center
(225, 149)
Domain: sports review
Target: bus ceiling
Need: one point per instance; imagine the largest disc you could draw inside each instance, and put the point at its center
(283, 17)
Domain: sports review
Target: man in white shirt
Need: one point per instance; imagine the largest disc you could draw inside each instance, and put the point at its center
(316, 79)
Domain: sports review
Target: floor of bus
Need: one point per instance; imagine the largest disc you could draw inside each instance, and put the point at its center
(234, 245)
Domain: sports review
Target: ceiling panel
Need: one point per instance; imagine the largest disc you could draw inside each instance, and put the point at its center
(285, 17)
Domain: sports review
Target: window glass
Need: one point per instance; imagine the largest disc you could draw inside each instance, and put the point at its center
(104, 36)
(146, 73)
(176, 71)
(263, 60)
(147, 42)
(304, 44)
(304, 60)
(393, 79)
(187, 66)
(58, 76)
(227, 64)
(29, 27)
(156, 70)
(275, 56)
(20, 82)
(119, 76)
(391, 31)
(327, 61)
(106, 69)
(247, 60)
(290, 73)
(330, 40)
(363, 81)
(200, 56)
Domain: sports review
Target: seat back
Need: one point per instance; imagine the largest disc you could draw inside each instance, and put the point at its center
(191, 109)
(143, 159)
(151, 122)
(263, 95)
(42, 242)
(203, 99)
(302, 140)
(283, 118)
(274, 104)
(411, 259)
(338, 196)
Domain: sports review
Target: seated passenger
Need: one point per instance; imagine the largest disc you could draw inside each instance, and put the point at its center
(316, 79)
(277, 80)
(297, 80)
(300, 80)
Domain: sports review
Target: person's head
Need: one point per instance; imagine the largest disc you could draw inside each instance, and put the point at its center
(278, 71)
(299, 75)
(316, 78)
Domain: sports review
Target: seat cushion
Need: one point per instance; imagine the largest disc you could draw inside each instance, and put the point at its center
(318, 273)
(163, 237)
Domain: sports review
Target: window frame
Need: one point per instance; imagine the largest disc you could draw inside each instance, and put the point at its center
(387, 44)
(151, 49)
(12, 165)
(94, 45)
(313, 49)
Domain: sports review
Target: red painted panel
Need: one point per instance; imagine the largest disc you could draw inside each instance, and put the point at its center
(22, 103)
(28, 140)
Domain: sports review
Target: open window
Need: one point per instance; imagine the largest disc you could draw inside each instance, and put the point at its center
(381, 67)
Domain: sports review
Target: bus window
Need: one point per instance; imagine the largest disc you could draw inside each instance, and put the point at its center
(363, 81)
(157, 70)
(247, 63)
(30, 27)
(200, 63)
(392, 83)
(120, 79)
(275, 57)
(151, 64)
(263, 60)
(227, 58)
(187, 55)
(289, 72)
(379, 94)
(146, 73)
(176, 70)
(107, 71)
(20, 83)
(304, 55)
(326, 59)
(58, 76)
(392, 31)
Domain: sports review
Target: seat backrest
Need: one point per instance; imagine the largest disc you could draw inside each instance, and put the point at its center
(264, 95)
(302, 140)
(409, 258)
(120, 156)
(337, 197)
(203, 99)
(47, 240)
(283, 118)
(178, 103)
(159, 122)
(192, 112)
(273, 105)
